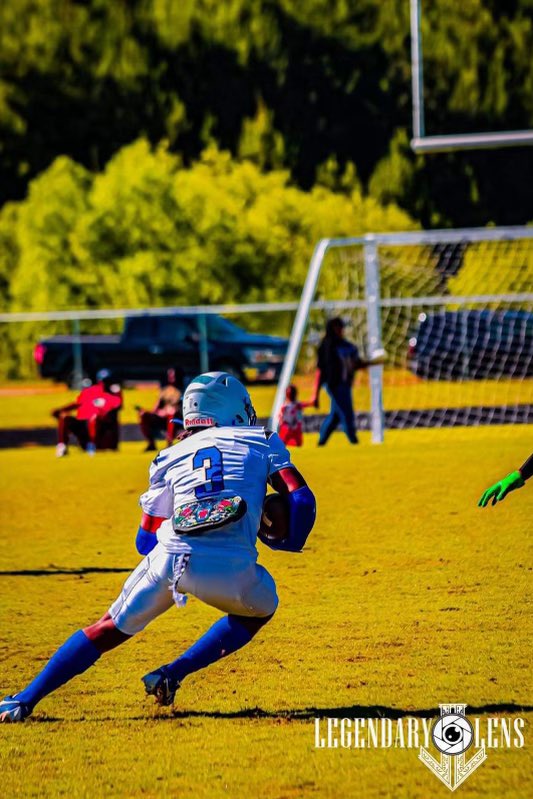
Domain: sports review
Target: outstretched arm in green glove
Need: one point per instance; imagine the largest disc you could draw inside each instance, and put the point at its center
(500, 489)
(515, 480)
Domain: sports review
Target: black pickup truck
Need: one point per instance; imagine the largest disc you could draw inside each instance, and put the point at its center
(150, 344)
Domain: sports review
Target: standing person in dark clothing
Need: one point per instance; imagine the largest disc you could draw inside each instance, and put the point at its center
(338, 361)
(515, 480)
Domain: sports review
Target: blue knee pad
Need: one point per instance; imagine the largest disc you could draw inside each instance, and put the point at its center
(145, 541)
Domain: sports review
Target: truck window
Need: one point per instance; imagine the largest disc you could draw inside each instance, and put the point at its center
(141, 328)
(170, 328)
(222, 329)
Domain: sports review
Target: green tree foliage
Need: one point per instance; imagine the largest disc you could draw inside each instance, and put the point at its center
(290, 84)
(149, 231)
(494, 268)
(46, 273)
(155, 151)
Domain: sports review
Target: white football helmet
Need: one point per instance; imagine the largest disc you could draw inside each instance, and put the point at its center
(217, 398)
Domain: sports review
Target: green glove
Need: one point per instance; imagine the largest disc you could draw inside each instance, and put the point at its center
(500, 489)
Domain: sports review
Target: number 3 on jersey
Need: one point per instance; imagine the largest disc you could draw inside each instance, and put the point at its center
(209, 459)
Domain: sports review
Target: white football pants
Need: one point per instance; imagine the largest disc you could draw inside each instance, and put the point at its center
(233, 584)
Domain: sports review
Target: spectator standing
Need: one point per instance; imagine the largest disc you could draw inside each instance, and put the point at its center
(338, 361)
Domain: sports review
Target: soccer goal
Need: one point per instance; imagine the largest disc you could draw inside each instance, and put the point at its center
(421, 142)
(453, 310)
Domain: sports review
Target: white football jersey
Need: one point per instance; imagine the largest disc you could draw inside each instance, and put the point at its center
(215, 462)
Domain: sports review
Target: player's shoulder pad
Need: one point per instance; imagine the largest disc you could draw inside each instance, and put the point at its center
(254, 431)
(159, 465)
(276, 446)
(272, 437)
(264, 434)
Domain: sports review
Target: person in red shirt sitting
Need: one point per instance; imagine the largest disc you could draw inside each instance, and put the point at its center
(291, 418)
(96, 409)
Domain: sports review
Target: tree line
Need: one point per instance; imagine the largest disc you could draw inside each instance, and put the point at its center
(289, 84)
(156, 152)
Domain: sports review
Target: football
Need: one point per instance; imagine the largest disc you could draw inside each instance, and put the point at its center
(275, 518)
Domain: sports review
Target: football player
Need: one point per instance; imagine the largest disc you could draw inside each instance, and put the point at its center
(201, 516)
(514, 480)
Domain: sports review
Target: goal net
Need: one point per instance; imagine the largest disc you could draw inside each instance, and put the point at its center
(453, 311)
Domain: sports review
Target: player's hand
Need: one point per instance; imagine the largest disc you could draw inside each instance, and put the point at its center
(499, 490)
(316, 401)
(378, 358)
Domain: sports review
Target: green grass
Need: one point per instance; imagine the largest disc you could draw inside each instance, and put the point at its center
(29, 404)
(408, 595)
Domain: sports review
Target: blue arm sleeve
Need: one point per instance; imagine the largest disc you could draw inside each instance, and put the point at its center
(303, 514)
(145, 541)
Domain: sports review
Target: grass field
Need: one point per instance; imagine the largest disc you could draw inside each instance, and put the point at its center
(407, 596)
(28, 404)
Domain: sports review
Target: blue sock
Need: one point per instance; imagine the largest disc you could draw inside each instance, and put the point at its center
(224, 637)
(74, 657)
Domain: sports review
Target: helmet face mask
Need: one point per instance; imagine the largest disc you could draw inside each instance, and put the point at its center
(250, 410)
(217, 398)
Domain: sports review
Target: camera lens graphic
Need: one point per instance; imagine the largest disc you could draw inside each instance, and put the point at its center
(452, 734)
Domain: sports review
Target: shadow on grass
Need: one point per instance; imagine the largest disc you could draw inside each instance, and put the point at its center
(352, 711)
(303, 714)
(52, 571)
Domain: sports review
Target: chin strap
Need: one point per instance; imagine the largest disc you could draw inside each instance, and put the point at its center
(302, 506)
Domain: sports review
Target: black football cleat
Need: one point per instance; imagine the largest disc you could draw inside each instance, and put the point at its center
(157, 683)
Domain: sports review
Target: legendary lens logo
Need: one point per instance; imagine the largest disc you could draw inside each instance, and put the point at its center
(452, 734)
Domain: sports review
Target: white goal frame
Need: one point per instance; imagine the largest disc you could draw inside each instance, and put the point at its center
(373, 301)
(420, 143)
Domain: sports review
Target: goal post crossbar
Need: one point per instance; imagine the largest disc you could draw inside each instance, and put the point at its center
(421, 143)
(472, 141)
(442, 236)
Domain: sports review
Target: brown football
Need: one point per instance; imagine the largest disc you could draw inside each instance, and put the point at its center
(275, 518)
